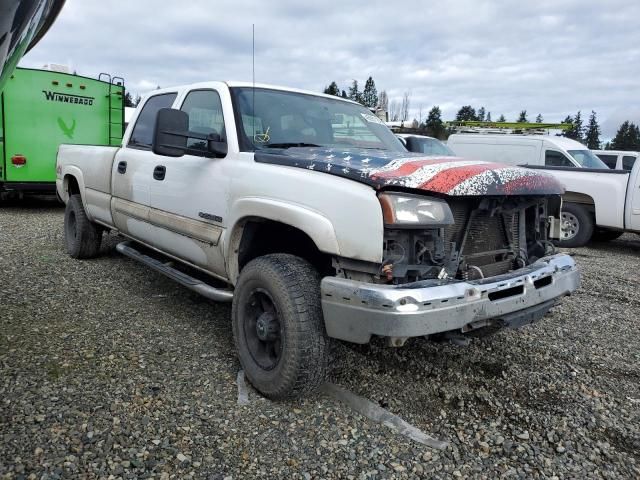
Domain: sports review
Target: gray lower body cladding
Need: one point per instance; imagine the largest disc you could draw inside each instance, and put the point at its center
(355, 311)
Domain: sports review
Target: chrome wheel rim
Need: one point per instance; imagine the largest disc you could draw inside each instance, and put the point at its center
(570, 226)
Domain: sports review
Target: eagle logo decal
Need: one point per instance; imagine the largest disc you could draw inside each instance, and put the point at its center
(68, 131)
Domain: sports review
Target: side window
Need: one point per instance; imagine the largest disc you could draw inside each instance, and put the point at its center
(628, 161)
(609, 160)
(143, 130)
(205, 115)
(556, 159)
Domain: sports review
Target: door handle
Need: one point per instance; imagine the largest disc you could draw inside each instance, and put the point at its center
(122, 166)
(159, 171)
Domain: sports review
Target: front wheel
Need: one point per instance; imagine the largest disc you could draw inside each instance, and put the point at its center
(577, 226)
(278, 327)
(82, 238)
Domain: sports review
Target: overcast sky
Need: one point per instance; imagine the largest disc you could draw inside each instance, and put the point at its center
(553, 57)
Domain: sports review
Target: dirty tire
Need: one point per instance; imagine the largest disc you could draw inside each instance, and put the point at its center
(605, 235)
(585, 226)
(81, 237)
(299, 363)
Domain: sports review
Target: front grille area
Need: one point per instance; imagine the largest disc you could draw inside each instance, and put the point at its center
(490, 236)
(491, 240)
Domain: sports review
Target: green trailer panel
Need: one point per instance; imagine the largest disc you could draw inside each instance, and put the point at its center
(43, 109)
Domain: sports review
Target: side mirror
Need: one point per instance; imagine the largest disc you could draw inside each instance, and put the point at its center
(216, 145)
(170, 133)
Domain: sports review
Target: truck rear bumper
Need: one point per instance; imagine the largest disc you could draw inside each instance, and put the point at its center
(354, 311)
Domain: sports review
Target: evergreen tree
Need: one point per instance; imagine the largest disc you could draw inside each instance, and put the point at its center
(138, 100)
(539, 118)
(332, 89)
(481, 114)
(354, 93)
(344, 94)
(592, 136)
(523, 117)
(627, 137)
(488, 116)
(576, 129)
(466, 113)
(128, 100)
(501, 119)
(370, 94)
(434, 125)
(579, 128)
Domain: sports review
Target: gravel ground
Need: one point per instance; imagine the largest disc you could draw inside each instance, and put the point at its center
(109, 370)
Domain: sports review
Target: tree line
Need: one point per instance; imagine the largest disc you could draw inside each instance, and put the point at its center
(626, 138)
(369, 97)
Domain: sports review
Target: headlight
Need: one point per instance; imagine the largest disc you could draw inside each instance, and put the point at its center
(404, 210)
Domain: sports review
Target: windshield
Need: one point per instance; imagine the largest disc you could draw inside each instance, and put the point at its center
(429, 146)
(284, 119)
(587, 159)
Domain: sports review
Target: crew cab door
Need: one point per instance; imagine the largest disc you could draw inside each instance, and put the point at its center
(132, 174)
(189, 194)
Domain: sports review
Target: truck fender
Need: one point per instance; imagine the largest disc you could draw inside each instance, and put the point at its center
(68, 172)
(318, 227)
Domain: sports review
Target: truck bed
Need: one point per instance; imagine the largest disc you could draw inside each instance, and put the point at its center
(92, 166)
(606, 189)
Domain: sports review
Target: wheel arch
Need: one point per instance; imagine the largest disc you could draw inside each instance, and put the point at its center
(253, 236)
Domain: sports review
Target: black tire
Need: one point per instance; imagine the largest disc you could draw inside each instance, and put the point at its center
(577, 226)
(603, 235)
(81, 237)
(278, 327)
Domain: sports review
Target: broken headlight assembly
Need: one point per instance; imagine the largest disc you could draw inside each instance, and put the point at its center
(400, 210)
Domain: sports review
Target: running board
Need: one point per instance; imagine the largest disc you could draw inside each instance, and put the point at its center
(188, 281)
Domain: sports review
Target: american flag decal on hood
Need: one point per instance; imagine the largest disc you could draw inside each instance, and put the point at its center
(452, 176)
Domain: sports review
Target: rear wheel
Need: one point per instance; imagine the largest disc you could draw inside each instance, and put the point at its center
(278, 326)
(82, 238)
(577, 226)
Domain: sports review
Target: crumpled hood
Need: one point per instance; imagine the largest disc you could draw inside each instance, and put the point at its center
(452, 176)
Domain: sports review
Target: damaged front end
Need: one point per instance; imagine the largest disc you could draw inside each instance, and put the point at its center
(460, 265)
(483, 237)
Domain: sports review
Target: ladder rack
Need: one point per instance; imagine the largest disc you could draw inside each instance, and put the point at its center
(115, 108)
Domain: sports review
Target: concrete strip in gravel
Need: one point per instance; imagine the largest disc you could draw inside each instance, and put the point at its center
(108, 369)
(243, 392)
(378, 414)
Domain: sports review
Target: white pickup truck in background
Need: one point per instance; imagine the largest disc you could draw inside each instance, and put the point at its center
(598, 204)
(308, 214)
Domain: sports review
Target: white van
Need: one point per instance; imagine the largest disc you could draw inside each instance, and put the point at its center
(535, 150)
(617, 159)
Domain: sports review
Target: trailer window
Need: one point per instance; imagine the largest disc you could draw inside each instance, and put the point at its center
(556, 159)
(205, 116)
(142, 134)
(628, 161)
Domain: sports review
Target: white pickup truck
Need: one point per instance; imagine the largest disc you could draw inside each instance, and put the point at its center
(598, 204)
(308, 214)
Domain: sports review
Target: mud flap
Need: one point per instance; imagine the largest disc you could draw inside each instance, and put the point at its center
(526, 316)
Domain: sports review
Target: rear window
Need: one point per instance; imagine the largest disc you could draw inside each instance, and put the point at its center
(609, 160)
(628, 161)
(143, 130)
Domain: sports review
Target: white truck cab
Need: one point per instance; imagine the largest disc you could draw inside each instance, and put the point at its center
(308, 214)
(534, 150)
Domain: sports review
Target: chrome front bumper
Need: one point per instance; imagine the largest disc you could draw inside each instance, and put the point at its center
(354, 311)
